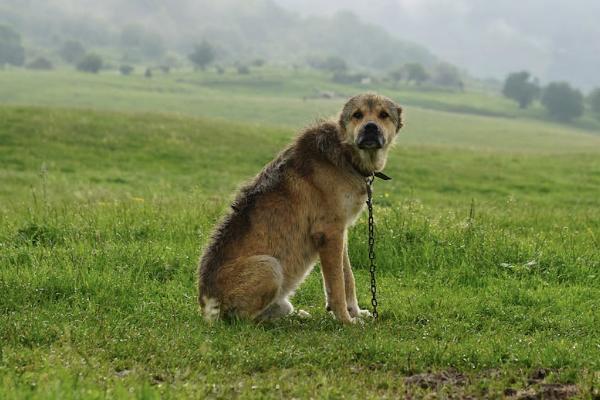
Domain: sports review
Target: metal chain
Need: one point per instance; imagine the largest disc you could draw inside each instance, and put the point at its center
(372, 267)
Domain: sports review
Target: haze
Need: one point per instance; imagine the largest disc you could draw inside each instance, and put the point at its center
(554, 39)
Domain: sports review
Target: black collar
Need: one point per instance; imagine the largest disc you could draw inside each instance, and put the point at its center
(382, 176)
(379, 175)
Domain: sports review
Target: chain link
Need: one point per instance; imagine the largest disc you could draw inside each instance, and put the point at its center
(372, 267)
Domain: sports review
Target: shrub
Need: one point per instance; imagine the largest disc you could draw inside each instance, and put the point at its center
(40, 63)
(126, 69)
(242, 69)
(90, 63)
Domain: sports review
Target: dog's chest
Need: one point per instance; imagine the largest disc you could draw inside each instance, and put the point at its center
(353, 202)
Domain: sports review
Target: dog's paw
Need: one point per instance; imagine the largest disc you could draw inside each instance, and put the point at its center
(359, 313)
(302, 314)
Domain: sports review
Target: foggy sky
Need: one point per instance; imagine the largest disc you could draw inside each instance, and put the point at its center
(554, 39)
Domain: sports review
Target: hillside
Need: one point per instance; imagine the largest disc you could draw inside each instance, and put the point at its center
(240, 30)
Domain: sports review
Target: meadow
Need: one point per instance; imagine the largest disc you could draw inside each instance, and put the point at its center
(487, 245)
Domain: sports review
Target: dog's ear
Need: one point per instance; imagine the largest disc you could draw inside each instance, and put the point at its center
(395, 110)
(399, 123)
(346, 112)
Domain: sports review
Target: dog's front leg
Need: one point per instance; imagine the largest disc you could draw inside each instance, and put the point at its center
(332, 267)
(351, 300)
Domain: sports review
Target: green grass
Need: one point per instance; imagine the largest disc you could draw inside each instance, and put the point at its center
(103, 215)
(268, 95)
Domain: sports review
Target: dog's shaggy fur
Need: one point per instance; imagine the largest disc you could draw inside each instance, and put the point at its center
(296, 209)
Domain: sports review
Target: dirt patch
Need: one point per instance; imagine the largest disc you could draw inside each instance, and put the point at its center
(539, 390)
(551, 391)
(432, 380)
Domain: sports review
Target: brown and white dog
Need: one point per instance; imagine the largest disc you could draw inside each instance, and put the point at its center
(298, 207)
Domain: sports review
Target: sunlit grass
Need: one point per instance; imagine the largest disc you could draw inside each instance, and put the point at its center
(103, 216)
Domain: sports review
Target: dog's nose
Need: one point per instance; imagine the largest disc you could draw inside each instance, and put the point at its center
(370, 137)
(371, 128)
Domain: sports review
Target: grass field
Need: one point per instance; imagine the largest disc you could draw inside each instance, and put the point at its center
(488, 240)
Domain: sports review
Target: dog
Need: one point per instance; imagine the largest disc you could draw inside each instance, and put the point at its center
(298, 209)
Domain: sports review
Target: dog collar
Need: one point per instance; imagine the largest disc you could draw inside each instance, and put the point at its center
(379, 175)
(382, 176)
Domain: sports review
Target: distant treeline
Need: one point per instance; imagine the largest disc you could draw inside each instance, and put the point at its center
(165, 30)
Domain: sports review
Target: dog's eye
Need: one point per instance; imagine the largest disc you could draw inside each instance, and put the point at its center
(383, 115)
(357, 115)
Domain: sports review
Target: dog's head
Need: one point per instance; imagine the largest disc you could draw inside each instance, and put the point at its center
(369, 124)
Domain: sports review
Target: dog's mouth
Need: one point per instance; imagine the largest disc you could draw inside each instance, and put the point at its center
(370, 137)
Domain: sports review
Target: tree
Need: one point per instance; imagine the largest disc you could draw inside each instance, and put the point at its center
(242, 69)
(126, 69)
(330, 63)
(521, 89)
(72, 51)
(11, 50)
(40, 63)
(204, 54)
(416, 73)
(562, 101)
(90, 63)
(447, 75)
(397, 74)
(594, 101)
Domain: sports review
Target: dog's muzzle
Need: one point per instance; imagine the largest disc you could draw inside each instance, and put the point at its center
(370, 137)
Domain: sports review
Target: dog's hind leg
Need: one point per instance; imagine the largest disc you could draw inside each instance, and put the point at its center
(249, 285)
(279, 308)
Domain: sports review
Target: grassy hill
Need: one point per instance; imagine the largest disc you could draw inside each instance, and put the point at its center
(104, 214)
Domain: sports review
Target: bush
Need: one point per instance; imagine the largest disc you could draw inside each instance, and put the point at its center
(203, 54)
(90, 63)
(11, 50)
(72, 51)
(40, 63)
(242, 69)
(518, 87)
(259, 62)
(563, 102)
(126, 69)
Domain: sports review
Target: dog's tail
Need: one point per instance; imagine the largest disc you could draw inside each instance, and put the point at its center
(210, 308)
